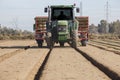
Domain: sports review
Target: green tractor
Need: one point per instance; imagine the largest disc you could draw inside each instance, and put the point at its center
(61, 26)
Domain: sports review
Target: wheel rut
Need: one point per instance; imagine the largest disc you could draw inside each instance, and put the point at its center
(68, 63)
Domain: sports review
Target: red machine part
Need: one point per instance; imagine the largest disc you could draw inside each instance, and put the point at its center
(40, 27)
(83, 28)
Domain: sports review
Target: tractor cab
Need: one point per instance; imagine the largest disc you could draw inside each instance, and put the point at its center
(62, 14)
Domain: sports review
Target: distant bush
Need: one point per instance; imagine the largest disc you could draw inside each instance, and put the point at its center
(104, 36)
(9, 33)
(106, 28)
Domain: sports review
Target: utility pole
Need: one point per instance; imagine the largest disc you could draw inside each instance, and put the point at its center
(81, 8)
(107, 17)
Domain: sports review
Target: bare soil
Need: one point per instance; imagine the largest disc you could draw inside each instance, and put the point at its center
(22, 66)
(67, 64)
(19, 66)
(63, 64)
(107, 58)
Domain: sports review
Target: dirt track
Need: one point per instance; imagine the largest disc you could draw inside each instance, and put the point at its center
(67, 64)
(20, 60)
(24, 64)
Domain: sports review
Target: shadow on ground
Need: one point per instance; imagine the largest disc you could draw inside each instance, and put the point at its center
(21, 47)
(29, 47)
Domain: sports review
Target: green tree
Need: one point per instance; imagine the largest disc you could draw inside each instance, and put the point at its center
(102, 26)
(117, 26)
(111, 28)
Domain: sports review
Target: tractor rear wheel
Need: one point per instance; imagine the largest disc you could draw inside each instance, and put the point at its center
(83, 42)
(74, 43)
(74, 40)
(40, 43)
(50, 43)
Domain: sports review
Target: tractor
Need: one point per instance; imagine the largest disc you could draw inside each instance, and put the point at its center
(63, 26)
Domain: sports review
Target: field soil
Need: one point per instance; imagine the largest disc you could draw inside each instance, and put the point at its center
(67, 64)
(25, 64)
(107, 58)
(21, 60)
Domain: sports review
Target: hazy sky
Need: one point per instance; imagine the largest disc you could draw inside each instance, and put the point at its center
(22, 12)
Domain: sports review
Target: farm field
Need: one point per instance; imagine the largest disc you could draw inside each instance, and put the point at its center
(23, 60)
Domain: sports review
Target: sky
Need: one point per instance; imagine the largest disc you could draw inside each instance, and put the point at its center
(20, 14)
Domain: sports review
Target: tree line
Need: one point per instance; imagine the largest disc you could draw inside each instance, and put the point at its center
(9, 33)
(103, 27)
(107, 29)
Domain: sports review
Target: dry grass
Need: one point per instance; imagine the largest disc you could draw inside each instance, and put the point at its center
(16, 37)
(104, 36)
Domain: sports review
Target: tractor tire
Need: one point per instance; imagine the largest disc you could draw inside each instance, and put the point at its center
(40, 43)
(50, 43)
(74, 40)
(83, 42)
(74, 43)
(61, 44)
